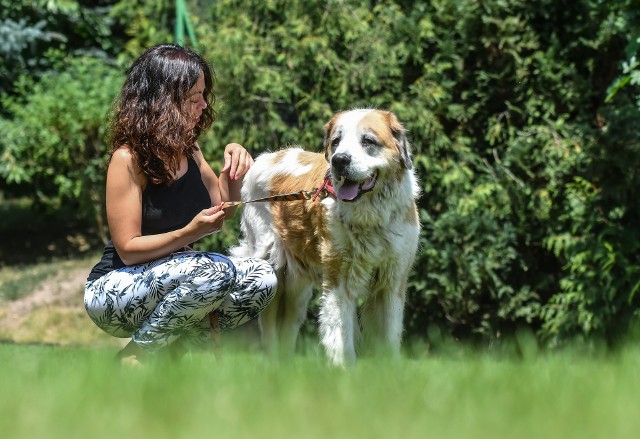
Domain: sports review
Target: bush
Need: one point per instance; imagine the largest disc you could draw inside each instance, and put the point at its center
(527, 173)
(523, 116)
(54, 139)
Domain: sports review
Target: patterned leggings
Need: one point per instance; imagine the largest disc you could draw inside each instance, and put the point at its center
(160, 301)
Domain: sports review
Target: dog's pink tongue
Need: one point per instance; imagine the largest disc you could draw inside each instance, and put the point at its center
(348, 191)
(368, 183)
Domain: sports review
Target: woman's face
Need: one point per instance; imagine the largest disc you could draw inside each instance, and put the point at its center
(195, 103)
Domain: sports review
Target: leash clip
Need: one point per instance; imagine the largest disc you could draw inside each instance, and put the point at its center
(326, 188)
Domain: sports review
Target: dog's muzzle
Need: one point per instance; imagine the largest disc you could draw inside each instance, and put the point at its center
(348, 189)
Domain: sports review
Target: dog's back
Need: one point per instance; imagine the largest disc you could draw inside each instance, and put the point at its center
(265, 226)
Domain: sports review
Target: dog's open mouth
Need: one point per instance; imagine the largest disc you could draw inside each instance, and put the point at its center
(349, 190)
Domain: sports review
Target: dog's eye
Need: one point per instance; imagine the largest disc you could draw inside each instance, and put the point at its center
(335, 141)
(368, 141)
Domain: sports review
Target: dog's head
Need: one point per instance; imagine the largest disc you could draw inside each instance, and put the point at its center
(363, 147)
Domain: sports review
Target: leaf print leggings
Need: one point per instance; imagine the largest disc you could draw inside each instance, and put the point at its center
(170, 298)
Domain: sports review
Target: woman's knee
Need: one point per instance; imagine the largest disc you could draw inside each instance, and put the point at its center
(205, 268)
(102, 312)
(269, 278)
(264, 278)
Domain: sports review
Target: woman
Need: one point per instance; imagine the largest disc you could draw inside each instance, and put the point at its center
(162, 196)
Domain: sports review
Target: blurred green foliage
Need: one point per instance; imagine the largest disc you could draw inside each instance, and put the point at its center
(32, 32)
(53, 143)
(523, 116)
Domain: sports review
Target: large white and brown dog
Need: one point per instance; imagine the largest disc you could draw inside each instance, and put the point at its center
(357, 246)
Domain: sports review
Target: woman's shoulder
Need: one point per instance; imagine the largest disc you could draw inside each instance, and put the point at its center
(123, 155)
(197, 152)
(205, 168)
(197, 156)
(124, 159)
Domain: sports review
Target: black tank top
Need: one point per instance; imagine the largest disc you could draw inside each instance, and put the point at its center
(164, 208)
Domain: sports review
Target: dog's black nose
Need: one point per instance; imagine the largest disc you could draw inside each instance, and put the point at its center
(340, 161)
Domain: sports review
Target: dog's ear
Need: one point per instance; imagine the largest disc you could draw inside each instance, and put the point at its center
(328, 132)
(400, 136)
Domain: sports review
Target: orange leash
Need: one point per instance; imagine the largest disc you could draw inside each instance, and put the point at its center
(322, 192)
(293, 196)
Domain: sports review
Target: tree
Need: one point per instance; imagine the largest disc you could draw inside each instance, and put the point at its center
(505, 103)
(54, 141)
(523, 117)
(35, 34)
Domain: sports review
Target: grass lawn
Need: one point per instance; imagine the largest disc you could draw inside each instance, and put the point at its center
(72, 387)
(72, 392)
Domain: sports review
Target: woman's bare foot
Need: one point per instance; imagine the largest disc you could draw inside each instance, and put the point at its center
(131, 355)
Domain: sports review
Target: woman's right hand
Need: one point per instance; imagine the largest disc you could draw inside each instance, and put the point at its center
(208, 221)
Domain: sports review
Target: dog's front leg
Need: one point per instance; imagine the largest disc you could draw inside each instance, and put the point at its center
(394, 305)
(381, 319)
(337, 326)
(268, 321)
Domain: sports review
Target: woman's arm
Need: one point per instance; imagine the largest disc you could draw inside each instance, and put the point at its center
(237, 162)
(125, 183)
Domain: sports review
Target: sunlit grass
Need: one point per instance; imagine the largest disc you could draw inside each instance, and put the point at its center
(80, 392)
(443, 390)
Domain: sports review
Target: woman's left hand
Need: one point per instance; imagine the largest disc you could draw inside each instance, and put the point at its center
(237, 161)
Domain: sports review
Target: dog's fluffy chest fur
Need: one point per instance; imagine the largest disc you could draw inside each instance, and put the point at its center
(358, 248)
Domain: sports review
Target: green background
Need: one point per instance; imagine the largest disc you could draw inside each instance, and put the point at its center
(523, 118)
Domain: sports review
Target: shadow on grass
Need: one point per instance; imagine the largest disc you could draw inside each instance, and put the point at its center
(30, 234)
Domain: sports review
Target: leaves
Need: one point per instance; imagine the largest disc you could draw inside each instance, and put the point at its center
(54, 140)
(522, 116)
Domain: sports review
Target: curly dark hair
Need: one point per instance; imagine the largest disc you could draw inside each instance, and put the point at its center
(148, 115)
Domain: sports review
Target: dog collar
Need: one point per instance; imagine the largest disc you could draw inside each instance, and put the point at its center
(326, 187)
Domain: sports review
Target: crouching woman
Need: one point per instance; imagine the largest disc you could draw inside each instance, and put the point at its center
(161, 197)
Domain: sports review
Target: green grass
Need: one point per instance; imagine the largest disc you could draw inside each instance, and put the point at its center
(54, 392)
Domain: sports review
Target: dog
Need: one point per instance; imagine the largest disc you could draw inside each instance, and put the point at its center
(357, 245)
